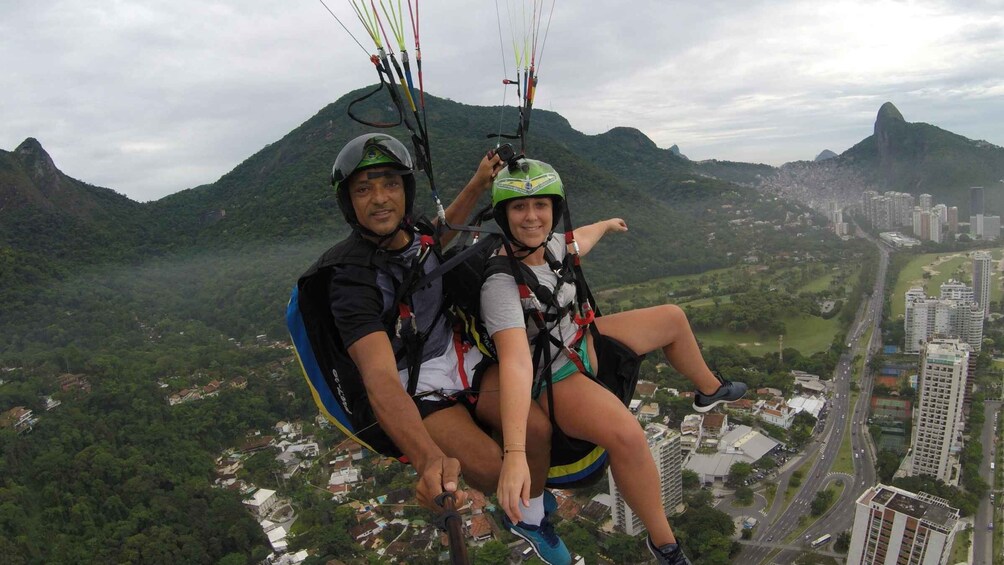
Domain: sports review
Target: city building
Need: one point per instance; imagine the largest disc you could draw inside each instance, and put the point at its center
(741, 444)
(935, 230)
(665, 446)
(953, 219)
(897, 527)
(982, 268)
(925, 201)
(985, 227)
(930, 318)
(955, 290)
(938, 424)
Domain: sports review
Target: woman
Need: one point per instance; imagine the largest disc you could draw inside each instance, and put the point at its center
(526, 200)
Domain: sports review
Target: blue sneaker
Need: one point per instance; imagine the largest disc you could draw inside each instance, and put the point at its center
(728, 391)
(545, 543)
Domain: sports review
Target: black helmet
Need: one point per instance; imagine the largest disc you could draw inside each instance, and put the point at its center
(363, 152)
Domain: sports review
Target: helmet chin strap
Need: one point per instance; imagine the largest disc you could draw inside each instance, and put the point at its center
(381, 239)
(519, 246)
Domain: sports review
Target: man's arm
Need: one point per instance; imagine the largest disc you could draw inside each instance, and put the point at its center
(463, 205)
(399, 418)
(588, 236)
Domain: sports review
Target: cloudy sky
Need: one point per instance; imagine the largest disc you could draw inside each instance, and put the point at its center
(149, 97)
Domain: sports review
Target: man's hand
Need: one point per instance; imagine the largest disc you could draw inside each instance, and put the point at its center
(441, 474)
(489, 166)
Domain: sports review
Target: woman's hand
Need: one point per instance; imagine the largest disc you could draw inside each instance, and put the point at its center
(615, 225)
(514, 485)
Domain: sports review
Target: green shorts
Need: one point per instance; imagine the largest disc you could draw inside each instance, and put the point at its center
(569, 368)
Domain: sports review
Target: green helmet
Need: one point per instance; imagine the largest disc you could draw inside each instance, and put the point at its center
(525, 179)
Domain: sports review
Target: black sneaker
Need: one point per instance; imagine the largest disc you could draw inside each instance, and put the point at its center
(669, 554)
(728, 391)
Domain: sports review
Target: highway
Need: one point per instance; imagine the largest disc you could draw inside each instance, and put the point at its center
(783, 520)
(982, 538)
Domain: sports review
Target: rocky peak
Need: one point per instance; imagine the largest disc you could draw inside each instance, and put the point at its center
(35, 159)
(824, 155)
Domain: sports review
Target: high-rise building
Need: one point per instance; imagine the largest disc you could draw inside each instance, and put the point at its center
(934, 226)
(897, 527)
(953, 219)
(665, 446)
(982, 267)
(937, 429)
(976, 201)
(925, 201)
(889, 210)
(918, 225)
(929, 318)
(942, 212)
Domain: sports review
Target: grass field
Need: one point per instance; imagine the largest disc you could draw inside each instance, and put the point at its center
(845, 457)
(818, 285)
(807, 334)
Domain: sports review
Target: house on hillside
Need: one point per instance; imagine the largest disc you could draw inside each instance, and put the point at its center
(19, 419)
(262, 502)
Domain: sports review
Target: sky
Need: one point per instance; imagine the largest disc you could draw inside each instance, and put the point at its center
(150, 97)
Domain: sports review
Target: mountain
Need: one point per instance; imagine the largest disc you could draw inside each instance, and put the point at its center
(919, 158)
(824, 155)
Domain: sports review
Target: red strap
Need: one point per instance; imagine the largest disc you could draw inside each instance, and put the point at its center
(426, 241)
(569, 238)
(403, 311)
(461, 348)
(524, 291)
(588, 318)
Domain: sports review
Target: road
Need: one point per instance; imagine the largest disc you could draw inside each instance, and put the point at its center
(982, 538)
(783, 519)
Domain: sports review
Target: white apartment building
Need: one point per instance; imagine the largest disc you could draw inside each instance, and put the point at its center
(925, 201)
(985, 227)
(930, 318)
(982, 268)
(955, 290)
(938, 425)
(665, 446)
(897, 527)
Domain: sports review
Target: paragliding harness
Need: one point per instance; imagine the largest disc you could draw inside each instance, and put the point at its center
(574, 462)
(334, 381)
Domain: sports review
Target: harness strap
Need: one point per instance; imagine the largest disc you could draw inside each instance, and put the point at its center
(462, 348)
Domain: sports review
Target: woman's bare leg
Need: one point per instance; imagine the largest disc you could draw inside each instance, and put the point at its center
(586, 410)
(662, 327)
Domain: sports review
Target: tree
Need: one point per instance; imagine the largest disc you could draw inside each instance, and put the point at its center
(622, 548)
(493, 552)
(886, 465)
(738, 474)
(744, 495)
(843, 542)
(821, 503)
